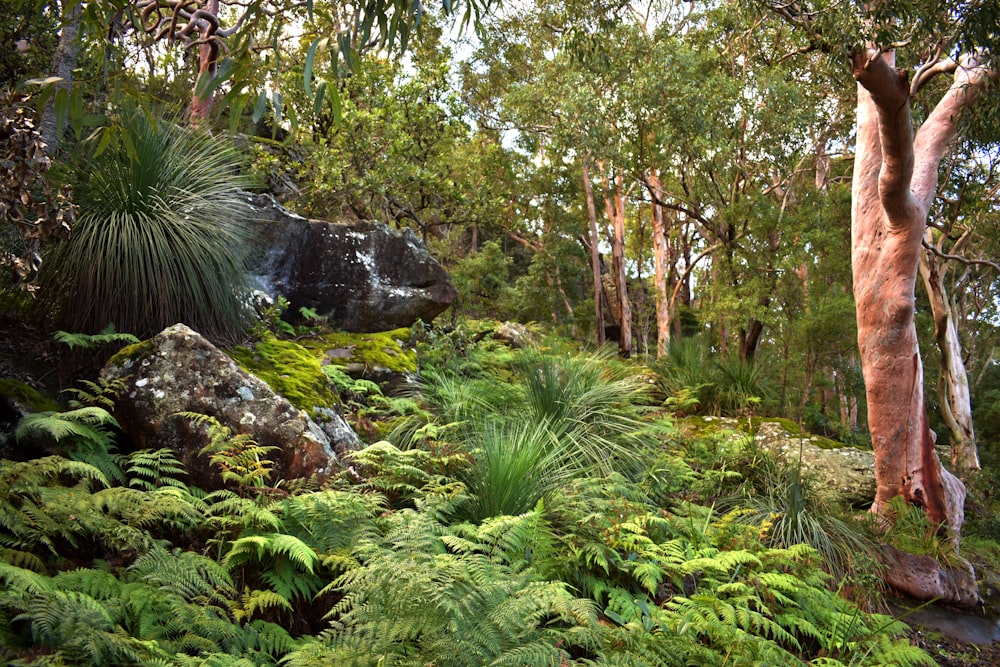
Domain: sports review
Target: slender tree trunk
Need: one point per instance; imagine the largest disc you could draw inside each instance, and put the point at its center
(661, 257)
(614, 202)
(595, 254)
(63, 64)
(208, 55)
(895, 178)
(953, 384)
(565, 303)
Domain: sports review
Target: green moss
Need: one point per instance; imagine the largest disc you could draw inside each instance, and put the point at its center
(753, 423)
(130, 352)
(28, 396)
(706, 426)
(290, 369)
(374, 350)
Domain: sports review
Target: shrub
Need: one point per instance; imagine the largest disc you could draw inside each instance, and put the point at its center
(160, 237)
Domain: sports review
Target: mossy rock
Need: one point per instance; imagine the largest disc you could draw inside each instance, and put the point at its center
(27, 396)
(130, 352)
(382, 351)
(290, 369)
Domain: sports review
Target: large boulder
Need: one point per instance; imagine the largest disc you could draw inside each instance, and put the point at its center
(363, 276)
(839, 472)
(178, 370)
(843, 473)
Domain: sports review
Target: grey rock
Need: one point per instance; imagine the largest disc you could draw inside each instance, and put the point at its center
(363, 277)
(178, 370)
(844, 474)
(515, 334)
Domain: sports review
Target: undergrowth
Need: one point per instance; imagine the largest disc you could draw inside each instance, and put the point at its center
(528, 511)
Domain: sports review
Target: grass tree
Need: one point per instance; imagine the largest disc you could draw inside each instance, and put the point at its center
(161, 237)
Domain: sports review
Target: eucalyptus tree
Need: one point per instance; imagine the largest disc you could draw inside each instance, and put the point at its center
(895, 182)
(958, 245)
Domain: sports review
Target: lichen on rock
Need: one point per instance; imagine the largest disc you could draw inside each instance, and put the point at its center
(179, 371)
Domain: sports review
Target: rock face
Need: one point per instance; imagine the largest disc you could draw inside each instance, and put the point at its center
(845, 474)
(363, 277)
(516, 335)
(178, 370)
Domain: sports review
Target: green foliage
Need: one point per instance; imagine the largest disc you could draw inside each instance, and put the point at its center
(107, 335)
(908, 528)
(85, 426)
(789, 513)
(587, 545)
(453, 600)
(483, 282)
(161, 236)
(239, 458)
(531, 425)
(731, 387)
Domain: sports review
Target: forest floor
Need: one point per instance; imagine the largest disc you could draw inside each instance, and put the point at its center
(952, 638)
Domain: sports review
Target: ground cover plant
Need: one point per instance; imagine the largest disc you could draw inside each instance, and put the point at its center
(551, 516)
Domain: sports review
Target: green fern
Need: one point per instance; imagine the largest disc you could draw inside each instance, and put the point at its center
(239, 458)
(149, 469)
(106, 336)
(83, 425)
(413, 595)
(284, 562)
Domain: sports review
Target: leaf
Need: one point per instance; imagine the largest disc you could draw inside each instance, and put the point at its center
(277, 104)
(236, 112)
(208, 84)
(61, 106)
(320, 97)
(258, 109)
(48, 81)
(106, 136)
(307, 73)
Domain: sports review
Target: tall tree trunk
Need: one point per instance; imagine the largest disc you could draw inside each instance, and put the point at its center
(614, 202)
(953, 384)
(895, 179)
(63, 64)
(595, 254)
(661, 257)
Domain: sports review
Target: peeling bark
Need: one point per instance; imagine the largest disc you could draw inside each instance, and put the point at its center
(664, 304)
(895, 178)
(614, 203)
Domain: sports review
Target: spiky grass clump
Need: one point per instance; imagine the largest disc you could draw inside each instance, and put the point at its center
(161, 236)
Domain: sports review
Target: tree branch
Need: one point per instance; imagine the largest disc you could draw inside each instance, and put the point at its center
(940, 129)
(958, 258)
(890, 93)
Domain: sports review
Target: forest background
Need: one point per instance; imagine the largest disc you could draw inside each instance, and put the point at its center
(675, 176)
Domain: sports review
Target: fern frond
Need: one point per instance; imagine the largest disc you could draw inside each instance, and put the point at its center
(89, 424)
(107, 335)
(149, 469)
(252, 602)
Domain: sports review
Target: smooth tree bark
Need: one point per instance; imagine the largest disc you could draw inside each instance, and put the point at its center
(63, 63)
(614, 204)
(895, 181)
(661, 261)
(954, 395)
(595, 254)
